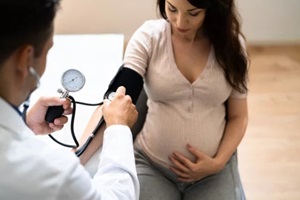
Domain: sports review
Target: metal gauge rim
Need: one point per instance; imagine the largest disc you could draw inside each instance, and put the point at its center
(75, 82)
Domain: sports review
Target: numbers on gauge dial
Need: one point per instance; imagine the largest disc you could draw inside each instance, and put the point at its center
(72, 80)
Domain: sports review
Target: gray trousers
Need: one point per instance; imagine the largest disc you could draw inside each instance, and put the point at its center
(159, 183)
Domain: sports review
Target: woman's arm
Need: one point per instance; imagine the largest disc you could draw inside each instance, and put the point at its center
(97, 140)
(135, 58)
(237, 119)
(188, 170)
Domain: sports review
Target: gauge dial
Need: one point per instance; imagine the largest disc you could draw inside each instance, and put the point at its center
(72, 80)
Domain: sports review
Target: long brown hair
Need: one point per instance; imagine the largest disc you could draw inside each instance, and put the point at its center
(222, 27)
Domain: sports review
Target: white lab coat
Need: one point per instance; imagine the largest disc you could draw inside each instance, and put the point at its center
(30, 170)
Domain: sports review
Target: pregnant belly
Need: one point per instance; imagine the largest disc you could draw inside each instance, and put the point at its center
(159, 142)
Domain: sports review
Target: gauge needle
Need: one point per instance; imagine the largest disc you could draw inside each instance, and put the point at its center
(72, 79)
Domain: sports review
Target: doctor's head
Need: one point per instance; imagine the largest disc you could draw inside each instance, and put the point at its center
(26, 36)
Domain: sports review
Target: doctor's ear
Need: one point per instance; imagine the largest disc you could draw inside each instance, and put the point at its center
(25, 58)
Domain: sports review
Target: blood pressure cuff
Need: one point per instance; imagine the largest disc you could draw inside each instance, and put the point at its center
(130, 79)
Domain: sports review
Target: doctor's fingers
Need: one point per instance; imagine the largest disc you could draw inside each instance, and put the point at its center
(60, 120)
(133, 116)
(117, 104)
(120, 111)
(129, 113)
(68, 111)
(121, 90)
(54, 101)
(53, 127)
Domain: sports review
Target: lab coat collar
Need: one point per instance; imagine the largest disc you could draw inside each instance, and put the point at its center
(11, 120)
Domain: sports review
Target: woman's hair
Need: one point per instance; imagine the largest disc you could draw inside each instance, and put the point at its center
(222, 27)
(25, 22)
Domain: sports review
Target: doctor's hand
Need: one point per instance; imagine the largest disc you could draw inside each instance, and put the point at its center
(191, 171)
(120, 110)
(35, 118)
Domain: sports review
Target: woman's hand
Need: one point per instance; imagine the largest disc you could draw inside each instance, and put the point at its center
(191, 171)
(35, 118)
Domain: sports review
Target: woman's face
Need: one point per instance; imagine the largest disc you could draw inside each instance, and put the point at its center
(185, 18)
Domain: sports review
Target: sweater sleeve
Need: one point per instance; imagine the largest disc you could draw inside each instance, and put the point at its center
(138, 50)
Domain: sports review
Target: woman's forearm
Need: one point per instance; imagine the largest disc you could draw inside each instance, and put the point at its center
(234, 133)
(97, 140)
(237, 119)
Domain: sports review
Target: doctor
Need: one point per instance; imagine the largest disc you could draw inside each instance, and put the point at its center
(29, 169)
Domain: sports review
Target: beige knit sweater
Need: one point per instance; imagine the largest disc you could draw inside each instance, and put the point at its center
(179, 112)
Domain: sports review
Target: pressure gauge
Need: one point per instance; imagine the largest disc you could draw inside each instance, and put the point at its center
(72, 80)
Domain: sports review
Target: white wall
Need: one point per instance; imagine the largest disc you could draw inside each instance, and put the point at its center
(271, 21)
(264, 21)
(104, 16)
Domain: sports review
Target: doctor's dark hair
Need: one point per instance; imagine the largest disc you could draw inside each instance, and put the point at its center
(25, 22)
(222, 27)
